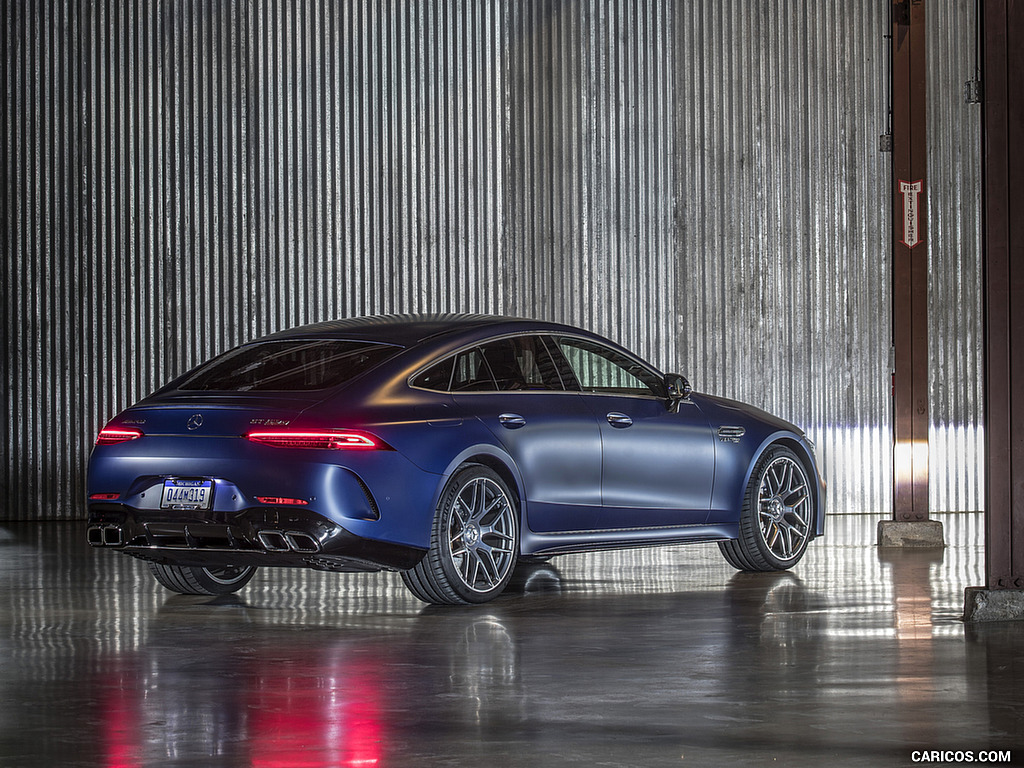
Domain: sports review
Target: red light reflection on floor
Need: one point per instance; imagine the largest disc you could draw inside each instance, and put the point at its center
(315, 718)
(324, 713)
(120, 727)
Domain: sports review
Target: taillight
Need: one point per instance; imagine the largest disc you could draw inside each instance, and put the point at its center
(282, 500)
(104, 497)
(115, 435)
(324, 441)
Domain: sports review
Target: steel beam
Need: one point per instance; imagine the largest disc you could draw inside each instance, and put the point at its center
(1003, 260)
(910, 262)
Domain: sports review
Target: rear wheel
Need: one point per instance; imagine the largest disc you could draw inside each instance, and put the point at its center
(192, 580)
(778, 510)
(473, 543)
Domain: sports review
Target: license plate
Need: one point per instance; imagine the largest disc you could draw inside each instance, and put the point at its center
(187, 494)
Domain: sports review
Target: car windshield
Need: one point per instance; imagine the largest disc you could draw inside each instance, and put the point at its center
(291, 365)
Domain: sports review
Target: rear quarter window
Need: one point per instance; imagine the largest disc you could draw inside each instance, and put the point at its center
(437, 377)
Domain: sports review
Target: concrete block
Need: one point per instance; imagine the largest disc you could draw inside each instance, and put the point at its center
(895, 533)
(982, 604)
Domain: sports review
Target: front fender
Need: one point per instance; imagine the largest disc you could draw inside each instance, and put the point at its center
(803, 449)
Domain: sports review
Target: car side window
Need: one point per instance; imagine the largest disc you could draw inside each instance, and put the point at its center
(437, 377)
(564, 370)
(503, 365)
(537, 365)
(521, 362)
(604, 371)
(472, 373)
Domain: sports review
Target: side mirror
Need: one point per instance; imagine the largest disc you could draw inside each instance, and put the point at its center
(677, 386)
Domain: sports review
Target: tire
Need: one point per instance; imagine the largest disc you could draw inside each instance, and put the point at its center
(191, 580)
(777, 516)
(473, 542)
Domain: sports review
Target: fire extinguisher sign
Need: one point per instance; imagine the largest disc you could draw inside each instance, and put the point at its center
(911, 192)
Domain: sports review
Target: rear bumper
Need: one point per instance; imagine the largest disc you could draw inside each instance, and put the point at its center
(261, 536)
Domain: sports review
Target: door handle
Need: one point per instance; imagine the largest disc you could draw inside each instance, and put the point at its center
(617, 419)
(512, 420)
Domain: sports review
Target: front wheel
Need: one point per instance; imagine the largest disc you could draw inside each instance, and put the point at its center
(778, 510)
(473, 543)
(192, 580)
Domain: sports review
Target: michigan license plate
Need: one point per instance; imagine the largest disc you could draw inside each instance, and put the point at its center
(187, 494)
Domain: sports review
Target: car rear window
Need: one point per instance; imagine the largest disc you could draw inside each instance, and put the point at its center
(288, 365)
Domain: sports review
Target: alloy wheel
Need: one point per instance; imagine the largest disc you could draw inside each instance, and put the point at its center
(784, 508)
(481, 534)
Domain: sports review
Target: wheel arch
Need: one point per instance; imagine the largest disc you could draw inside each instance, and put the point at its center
(799, 446)
(492, 458)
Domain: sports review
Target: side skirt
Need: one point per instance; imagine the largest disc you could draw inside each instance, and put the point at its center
(590, 541)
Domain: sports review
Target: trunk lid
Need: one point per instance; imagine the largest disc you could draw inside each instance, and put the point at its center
(211, 416)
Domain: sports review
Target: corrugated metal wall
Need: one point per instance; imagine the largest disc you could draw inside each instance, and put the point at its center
(700, 181)
(956, 436)
(785, 228)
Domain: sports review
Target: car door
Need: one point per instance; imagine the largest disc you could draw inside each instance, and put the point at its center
(512, 386)
(658, 463)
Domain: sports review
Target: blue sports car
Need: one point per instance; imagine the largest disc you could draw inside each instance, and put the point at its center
(445, 447)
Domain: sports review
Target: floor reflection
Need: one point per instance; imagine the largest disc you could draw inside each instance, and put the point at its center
(624, 658)
(996, 655)
(231, 705)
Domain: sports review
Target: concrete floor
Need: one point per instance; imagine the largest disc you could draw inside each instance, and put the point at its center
(661, 657)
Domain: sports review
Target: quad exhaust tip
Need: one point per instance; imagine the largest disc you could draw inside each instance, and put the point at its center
(273, 541)
(105, 536)
(288, 541)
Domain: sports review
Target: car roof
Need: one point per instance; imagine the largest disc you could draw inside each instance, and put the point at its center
(407, 330)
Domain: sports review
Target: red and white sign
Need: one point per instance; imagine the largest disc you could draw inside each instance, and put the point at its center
(910, 192)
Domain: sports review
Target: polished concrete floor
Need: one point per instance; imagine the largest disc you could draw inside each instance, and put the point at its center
(645, 658)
